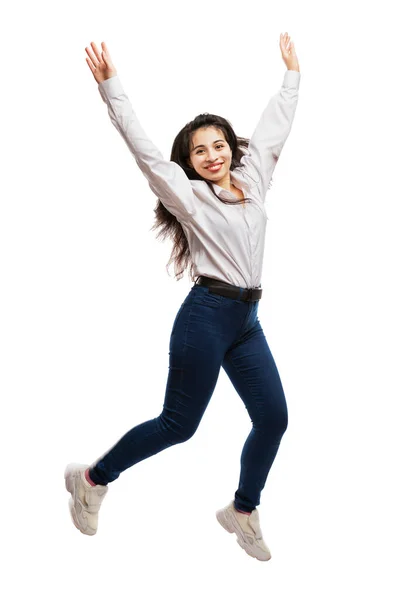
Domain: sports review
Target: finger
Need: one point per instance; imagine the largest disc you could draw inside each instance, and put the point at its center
(284, 50)
(105, 48)
(91, 56)
(106, 58)
(90, 65)
(284, 40)
(96, 51)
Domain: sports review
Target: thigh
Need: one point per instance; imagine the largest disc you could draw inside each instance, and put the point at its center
(196, 352)
(251, 368)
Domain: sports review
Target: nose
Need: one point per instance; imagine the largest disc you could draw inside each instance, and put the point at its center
(211, 156)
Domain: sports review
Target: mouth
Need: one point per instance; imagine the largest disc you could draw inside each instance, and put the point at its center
(215, 167)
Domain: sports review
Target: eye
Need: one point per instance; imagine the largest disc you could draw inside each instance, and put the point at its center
(217, 146)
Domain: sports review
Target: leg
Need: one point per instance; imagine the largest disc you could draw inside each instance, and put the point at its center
(251, 368)
(196, 355)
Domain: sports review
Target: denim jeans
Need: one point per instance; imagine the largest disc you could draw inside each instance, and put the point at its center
(211, 331)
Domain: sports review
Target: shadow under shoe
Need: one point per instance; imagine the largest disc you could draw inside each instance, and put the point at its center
(85, 501)
(247, 529)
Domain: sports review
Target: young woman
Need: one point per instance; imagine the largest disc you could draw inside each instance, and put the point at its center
(211, 198)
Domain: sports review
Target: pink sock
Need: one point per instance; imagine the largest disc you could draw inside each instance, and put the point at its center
(242, 511)
(87, 477)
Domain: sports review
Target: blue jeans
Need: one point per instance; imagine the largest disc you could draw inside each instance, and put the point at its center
(211, 331)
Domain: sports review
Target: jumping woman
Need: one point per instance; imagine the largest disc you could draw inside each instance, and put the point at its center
(211, 201)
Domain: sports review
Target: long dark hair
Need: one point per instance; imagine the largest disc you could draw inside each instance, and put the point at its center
(180, 153)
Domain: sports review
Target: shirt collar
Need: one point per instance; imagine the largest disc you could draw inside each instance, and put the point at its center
(223, 193)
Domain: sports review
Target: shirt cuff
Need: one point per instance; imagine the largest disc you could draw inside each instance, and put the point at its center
(291, 79)
(111, 87)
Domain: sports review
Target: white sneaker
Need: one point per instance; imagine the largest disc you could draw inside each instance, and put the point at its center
(85, 500)
(247, 529)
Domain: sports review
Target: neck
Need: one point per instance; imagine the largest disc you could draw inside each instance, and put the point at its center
(225, 183)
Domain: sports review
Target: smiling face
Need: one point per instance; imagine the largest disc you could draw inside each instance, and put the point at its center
(209, 147)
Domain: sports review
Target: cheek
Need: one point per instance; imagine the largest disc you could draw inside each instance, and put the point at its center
(228, 157)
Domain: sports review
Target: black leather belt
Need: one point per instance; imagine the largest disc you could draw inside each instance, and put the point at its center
(230, 291)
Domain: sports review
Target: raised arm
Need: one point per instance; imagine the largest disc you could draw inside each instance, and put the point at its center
(166, 178)
(275, 124)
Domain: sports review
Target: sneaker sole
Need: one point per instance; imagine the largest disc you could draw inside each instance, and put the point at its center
(229, 524)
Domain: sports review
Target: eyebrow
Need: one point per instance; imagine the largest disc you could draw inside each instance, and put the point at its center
(201, 145)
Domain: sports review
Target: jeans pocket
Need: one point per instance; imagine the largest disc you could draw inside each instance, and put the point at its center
(211, 298)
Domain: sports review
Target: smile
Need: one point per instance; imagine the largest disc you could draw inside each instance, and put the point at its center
(214, 167)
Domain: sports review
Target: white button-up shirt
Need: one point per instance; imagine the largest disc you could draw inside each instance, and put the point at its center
(226, 241)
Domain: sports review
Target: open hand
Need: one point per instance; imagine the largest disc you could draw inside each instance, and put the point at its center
(289, 53)
(100, 62)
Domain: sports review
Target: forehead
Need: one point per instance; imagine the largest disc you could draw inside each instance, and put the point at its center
(207, 135)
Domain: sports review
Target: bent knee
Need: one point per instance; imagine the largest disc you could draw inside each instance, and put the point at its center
(176, 431)
(275, 424)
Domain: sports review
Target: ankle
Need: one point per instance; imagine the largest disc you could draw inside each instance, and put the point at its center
(87, 477)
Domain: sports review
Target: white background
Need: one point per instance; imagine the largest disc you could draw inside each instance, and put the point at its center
(87, 305)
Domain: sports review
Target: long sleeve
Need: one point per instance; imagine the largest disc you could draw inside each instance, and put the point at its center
(270, 135)
(166, 178)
